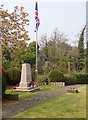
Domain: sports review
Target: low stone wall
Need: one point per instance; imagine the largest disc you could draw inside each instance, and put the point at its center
(53, 83)
(57, 83)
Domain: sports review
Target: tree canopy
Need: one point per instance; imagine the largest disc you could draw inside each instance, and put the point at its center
(14, 35)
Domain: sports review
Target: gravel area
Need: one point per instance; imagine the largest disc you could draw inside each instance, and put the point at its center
(20, 106)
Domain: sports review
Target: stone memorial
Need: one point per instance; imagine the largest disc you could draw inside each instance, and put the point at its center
(25, 79)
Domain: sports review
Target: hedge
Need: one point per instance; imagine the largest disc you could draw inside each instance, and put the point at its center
(57, 76)
(76, 79)
(80, 78)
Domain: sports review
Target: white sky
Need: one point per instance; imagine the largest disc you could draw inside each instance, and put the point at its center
(68, 17)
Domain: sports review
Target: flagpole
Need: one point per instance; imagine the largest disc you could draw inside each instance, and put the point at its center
(36, 50)
(36, 69)
(36, 30)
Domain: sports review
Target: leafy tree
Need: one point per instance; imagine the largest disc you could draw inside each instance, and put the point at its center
(44, 44)
(59, 51)
(30, 54)
(13, 33)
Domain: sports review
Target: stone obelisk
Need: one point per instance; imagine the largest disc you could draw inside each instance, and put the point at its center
(25, 77)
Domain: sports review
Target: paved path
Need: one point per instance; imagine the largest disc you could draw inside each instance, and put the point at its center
(28, 103)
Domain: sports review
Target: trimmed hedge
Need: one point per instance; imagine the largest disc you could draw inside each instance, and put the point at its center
(80, 78)
(56, 76)
(69, 81)
(77, 79)
(14, 75)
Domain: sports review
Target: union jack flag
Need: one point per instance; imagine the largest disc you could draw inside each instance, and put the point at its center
(36, 17)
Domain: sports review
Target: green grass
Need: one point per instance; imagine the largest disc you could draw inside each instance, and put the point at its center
(70, 105)
(22, 95)
(48, 87)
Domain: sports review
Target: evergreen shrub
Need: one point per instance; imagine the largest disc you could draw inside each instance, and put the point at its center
(56, 76)
(42, 78)
(2, 83)
(14, 76)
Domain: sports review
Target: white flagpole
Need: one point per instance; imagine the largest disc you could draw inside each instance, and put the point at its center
(36, 50)
(36, 69)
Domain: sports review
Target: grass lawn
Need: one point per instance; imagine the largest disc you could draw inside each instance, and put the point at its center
(70, 105)
(48, 87)
(24, 95)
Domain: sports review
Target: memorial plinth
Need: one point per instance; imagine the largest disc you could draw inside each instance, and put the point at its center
(25, 79)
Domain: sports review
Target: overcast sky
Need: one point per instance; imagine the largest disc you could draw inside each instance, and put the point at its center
(68, 17)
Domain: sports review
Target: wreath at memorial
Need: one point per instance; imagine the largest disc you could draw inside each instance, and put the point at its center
(32, 83)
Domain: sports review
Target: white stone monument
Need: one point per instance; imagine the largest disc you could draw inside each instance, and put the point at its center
(25, 79)
(25, 75)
